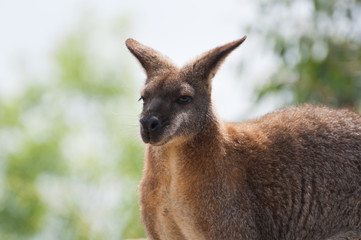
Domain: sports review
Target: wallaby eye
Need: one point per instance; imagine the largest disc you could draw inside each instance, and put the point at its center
(184, 99)
(142, 99)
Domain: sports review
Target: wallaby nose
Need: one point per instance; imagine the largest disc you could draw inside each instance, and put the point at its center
(151, 123)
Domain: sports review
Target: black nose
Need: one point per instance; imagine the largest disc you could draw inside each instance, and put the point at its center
(151, 123)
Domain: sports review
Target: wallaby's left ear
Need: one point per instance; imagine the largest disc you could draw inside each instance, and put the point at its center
(206, 65)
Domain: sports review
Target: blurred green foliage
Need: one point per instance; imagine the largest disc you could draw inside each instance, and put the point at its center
(318, 47)
(70, 156)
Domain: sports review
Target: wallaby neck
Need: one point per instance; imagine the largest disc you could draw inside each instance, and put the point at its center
(209, 137)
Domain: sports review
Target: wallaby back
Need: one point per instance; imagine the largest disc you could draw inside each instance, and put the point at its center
(291, 174)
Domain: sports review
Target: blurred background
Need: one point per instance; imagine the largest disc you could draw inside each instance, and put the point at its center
(70, 153)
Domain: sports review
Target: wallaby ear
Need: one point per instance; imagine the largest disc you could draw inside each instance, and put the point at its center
(152, 61)
(206, 65)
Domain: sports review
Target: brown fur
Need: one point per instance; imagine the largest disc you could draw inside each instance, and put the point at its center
(291, 174)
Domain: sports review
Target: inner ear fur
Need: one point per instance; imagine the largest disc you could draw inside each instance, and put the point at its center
(207, 64)
(151, 60)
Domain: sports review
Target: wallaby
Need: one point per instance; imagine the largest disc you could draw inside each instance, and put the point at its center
(291, 174)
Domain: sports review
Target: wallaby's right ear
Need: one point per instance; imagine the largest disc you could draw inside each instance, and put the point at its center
(152, 61)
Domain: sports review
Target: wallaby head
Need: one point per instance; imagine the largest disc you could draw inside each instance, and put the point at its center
(176, 101)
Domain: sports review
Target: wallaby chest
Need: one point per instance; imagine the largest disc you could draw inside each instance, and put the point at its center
(172, 211)
(194, 198)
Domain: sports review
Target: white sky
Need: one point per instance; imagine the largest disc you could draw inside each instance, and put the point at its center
(30, 31)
